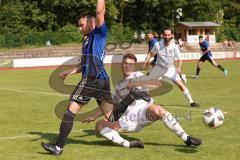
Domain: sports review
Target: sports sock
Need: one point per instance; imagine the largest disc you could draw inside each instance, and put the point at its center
(187, 95)
(121, 107)
(198, 71)
(221, 68)
(171, 123)
(65, 128)
(113, 136)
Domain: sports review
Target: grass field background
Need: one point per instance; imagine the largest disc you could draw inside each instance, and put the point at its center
(27, 118)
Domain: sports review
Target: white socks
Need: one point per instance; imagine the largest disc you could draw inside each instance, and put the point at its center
(171, 123)
(187, 95)
(58, 148)
(113, 136)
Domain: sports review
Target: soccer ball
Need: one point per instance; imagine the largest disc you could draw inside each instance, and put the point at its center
(213, 117)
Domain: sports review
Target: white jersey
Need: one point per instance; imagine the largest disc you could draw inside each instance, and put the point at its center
(166, 55)
(134, 118)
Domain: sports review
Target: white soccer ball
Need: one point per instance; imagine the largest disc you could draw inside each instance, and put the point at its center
(213, 117)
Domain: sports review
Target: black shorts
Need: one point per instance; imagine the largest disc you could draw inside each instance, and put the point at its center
(89, 88)
(206, 56)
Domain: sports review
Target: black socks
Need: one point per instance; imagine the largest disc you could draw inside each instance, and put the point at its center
(120, 108)
(221, 68)
(65, 128)
(198, 71)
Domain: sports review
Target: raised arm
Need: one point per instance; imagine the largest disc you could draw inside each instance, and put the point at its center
(100, 12)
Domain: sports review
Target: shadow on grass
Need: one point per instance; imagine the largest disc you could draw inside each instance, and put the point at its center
(51, 138)
(179, 148)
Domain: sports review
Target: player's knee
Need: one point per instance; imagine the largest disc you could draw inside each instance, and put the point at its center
(74, 107)
(99, 125)
(159, 112)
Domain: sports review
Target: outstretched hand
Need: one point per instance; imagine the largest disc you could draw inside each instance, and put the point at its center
(64, 74)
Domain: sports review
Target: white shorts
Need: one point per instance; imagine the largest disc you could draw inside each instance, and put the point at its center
(172, 74)
(134, 119)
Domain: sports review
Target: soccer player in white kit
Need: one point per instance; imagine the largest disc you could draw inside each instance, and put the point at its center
(167, 52)
(138, 115)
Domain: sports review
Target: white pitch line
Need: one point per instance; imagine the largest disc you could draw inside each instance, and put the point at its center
(28, 136)
(17, 137)
(34, 92)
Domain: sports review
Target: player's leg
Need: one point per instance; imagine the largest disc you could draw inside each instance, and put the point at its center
(76, 103)
(109, 130)
(65, 129)
(155, 73)
(106, 108)
(175, 77)
(105, 102)
(183, 78)
(67, 123)
(215, 64)
(199, 63)
(186, 93)
(121, 107)
(155, 112)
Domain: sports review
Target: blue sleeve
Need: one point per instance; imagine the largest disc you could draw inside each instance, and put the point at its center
(102, 30)
(151, 44)
(205, 44)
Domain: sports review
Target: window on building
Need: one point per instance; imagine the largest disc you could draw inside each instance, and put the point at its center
(209, 31)
(192, 32)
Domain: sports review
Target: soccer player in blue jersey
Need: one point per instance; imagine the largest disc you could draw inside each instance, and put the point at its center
(151, 42)
(206, 55)
(94, 82)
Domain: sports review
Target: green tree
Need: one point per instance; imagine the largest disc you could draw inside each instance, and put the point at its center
(12, 19)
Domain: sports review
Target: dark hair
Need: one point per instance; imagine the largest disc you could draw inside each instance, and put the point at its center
(150, 32)
(130, 56)
(168, 28)
(85, 15)
(200, 37)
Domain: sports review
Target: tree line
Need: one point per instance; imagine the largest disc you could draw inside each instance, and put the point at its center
(33, 22)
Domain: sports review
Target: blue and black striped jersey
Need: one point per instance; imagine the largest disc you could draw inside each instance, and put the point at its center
(93, 53)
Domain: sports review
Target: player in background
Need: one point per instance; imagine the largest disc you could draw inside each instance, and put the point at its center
(152, 39)
(206, 55)
(151, 42)
(166, 51)
(138, 115)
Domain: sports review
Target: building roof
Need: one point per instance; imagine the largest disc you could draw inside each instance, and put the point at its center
(199, 24)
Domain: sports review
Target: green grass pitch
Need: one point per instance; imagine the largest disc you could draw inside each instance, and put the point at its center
(27, 118)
